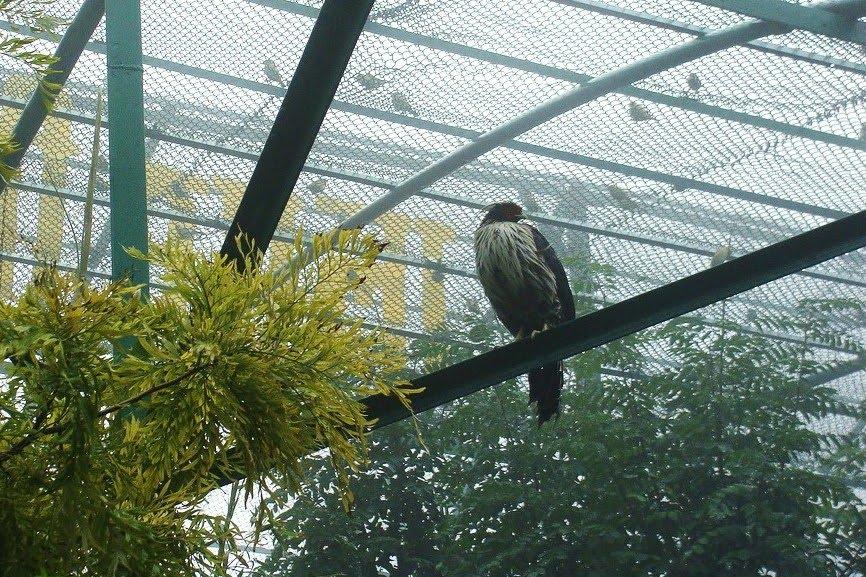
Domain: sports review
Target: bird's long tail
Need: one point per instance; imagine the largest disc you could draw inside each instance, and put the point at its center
(545, 385)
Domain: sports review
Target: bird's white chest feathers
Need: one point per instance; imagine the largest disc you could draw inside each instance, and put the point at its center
(504, 253)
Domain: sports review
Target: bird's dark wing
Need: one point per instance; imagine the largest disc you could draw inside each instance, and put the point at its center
(563, 290)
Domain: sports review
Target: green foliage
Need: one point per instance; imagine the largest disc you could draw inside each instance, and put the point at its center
(227, 372)
(703, 465)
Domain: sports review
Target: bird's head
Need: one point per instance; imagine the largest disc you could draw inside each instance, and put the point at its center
(503, 212)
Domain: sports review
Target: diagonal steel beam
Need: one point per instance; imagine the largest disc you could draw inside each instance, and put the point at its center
(597, 87)
(301, 113)
(499, 59)
(847, 9)
(820, 19)
(627, 317)
(67, 53)
(457, 200)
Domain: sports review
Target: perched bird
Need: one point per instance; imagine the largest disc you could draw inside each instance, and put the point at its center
(369, 81)
(472, 306)
(527, 288)
(152, 144)
(178, 188)
(639, 112)
(187, 233)
(400, 10)
(722, 254)
(271, 71)
(317, 186)
(401, 103)
(621, 197)
(694, 82)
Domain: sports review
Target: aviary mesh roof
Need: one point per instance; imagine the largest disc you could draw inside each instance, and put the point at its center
(743, 147)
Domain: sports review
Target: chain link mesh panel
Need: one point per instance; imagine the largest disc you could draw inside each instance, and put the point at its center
(741, 148)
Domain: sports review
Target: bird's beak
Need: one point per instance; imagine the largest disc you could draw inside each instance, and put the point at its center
(488, 207)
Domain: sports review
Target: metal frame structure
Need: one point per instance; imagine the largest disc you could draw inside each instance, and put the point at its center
(825, 20)
(128, 196)
(68, 52)
(303, 109)
(547, 152)
(330, 45)
(620, 168)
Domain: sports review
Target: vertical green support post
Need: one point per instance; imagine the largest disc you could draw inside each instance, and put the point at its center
(128, 201)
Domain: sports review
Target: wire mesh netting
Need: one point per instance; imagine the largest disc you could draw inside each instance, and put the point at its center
(741, 148)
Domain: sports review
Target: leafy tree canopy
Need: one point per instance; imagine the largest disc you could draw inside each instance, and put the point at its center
(245, 372)
(701, 465)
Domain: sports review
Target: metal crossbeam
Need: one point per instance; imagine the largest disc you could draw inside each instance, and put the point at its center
(445, 198)
(848, 10)
(543, 151)
(499, 59)
(66, 54)
(627, 317)
(817, 19)
(307, 99)
(405, 260)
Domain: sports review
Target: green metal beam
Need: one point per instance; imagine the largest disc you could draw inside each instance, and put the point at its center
(462, 201)
(682, 102)
(66, 54)
(128, 198)
(298, 120)
(847, 9)
(820, 19)
(627, 317)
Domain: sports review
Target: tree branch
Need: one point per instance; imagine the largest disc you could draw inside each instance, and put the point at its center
(156, 388)
(30, 438)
